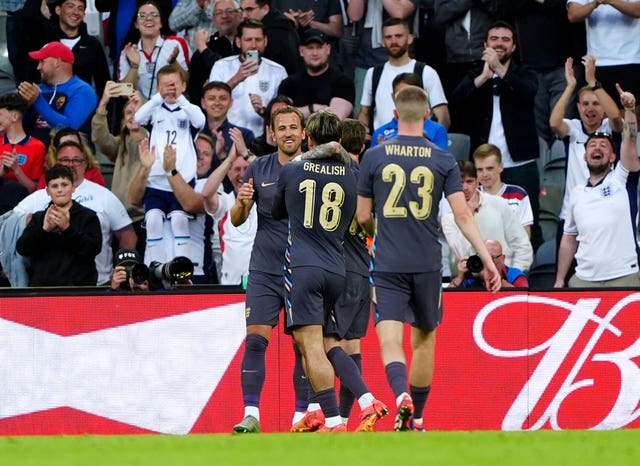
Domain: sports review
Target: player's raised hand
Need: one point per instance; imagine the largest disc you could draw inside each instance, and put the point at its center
(245, 193)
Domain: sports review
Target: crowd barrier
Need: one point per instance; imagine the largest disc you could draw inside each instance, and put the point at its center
(170, 363)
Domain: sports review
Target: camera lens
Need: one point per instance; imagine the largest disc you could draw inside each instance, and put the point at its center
(474, 264)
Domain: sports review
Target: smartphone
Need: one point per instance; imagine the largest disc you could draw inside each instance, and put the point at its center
(252, 55)
(123, 89)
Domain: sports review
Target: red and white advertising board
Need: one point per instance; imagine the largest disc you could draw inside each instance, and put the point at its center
(170, 363)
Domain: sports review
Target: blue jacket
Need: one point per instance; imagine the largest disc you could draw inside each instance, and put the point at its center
(433, 130)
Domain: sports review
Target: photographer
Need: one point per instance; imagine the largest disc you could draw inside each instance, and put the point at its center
(471, 270)
(129, 273)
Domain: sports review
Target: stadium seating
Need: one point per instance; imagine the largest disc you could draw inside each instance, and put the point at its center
(542, 274)
(460, 146)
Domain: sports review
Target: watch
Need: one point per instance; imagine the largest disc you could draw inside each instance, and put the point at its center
(248, 154)
(596, 86)
(173, 172)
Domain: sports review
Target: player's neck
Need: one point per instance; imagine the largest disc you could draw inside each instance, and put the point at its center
(15, 133)
(285, 159)
(400, 61)
(412, 128)
(495, 189)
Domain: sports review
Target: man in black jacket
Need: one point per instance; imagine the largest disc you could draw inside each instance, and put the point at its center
(500, 98)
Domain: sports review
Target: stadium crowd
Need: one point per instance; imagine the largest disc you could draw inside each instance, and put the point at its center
(183, 101)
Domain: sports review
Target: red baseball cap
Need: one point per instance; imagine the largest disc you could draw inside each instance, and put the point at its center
(54, 50)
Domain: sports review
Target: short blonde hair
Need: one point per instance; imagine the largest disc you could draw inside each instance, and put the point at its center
(411, 103)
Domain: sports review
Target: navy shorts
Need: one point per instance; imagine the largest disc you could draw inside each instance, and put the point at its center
(350, 317)
(408, 297)
(165, 201)
(312, 295)
(264, 298)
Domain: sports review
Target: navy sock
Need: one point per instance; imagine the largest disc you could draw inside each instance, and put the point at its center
(397, 377)
(347, 371)
(301, 385)
(346, 397)
(328, 402)
(419, 396)
(253, 369)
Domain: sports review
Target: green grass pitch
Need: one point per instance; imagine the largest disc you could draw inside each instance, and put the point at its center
(543, 448)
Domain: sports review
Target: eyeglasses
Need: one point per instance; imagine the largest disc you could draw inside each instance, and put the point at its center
(600, 135)
(153, 14)
(228, 11)
(497, 256)
(249, 9)
(71, 161)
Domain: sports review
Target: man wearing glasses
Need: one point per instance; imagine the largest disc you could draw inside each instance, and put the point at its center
(283, 39)
(600, 228)
(112, 215)
(192, 16)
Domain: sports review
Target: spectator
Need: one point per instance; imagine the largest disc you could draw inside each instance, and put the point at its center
(545, 39)
(92, 172)
(282, 38)
(324, 16)
(191, 16)
(22, 156)
(319, 86)
(495, 219)
(435, 132)
(122, 22)
(237, 241)
(122, 150)
(111, 213)
(597, 111)
(488, 161)
(14, 31)
(613, 28)
(216, 103)
(252, 82)
(603, 211)
(62, 99)
(511, 276)
(140, 62)
(199, 242)
(465, 23)
(172, 116)
(129, 272)
(376, 106)
(266, 143)
(372, 14)
(500, 96)
(63, 240)
(209, 48)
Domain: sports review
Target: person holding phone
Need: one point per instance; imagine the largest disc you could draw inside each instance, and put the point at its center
(122, 149)
(254, 80)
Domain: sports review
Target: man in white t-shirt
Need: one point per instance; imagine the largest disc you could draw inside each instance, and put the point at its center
(598, 112)
(396, 40)
(111, 212)
(236, 242)
(600, 229)
(253, 82)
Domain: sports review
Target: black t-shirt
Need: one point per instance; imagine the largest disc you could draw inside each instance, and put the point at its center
(305, 90)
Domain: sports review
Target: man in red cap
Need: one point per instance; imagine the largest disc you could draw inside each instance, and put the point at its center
(61, 99)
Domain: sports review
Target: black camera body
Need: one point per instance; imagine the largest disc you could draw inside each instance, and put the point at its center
(139, 273)
(474, 264)
(175, 271)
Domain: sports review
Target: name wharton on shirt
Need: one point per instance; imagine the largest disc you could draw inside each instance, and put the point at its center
(407, 151)
(324, 169)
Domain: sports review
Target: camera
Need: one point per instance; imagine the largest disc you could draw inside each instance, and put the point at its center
(176, 270)
(139, 273)
(132, 262)
(474, 264)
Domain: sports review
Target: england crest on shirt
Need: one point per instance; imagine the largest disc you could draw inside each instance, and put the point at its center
(183, 124)
(263, 86)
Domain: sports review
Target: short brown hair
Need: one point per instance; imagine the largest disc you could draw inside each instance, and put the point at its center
(467, 168)
(284, 110)
(487, 150)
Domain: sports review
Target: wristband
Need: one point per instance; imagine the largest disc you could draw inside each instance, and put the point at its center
(173, 172)
(596, 86)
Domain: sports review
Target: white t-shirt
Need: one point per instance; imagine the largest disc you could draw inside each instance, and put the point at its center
(518, 200)
(264, 83)
(383, 112)
(577, 171)
(235, 242)
(111, 213)
(600, 218)
(150, 65)
(612, 37)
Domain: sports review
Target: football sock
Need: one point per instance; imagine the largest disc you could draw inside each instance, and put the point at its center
(154, 224)
(181, 236)
(397, 377)
(347, 371)
(419, 396)
(253, 369)
(301, 385)
(329, 403)
(346, 397)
